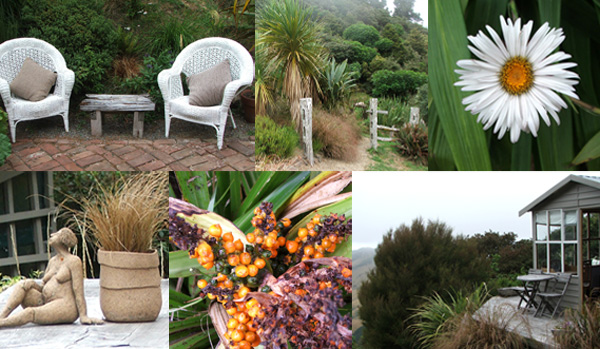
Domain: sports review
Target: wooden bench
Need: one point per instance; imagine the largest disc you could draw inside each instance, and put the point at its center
(97, 104)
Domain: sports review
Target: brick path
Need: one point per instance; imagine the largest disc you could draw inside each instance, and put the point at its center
(128, 155)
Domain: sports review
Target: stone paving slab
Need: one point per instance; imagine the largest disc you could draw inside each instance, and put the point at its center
(109, 335)
(129, 155)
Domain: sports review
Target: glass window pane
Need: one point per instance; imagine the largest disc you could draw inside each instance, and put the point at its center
(540, 217)
(24, 232)
(593, 216)
(571, 258)
(555, 258)
(541, 250)
(4, 241)
(42, 189)
(595, 249)
(570, 225)
(542, 232)
(555, 233)
(22, 193)
(555, 217)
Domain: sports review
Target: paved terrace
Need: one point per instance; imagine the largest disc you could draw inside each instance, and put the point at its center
(538, 329)
(76, 154)
(109, 335)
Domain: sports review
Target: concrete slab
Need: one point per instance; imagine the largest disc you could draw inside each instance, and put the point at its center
(525, 324)
(135, 335)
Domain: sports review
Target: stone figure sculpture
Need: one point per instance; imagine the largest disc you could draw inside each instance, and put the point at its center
(59, 299)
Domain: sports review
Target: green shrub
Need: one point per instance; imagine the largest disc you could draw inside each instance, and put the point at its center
(401, 83)
(272, 139)
(5, 144)
(172, 33)
(381, 63)
(353, 51)
(145, 82)
(384, 46)
(365, 34)
(78, 29)
(337, 81)
(413, 142)
(398, 112)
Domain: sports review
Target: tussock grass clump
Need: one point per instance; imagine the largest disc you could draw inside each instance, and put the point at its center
(581, 328)
(125, 215)
(338, 136)
(485, 330)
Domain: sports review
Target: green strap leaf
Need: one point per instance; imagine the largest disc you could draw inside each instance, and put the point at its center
(448, 45)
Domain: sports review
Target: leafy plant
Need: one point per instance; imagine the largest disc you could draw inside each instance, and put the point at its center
(172, 34)
(413, 142)
(365, 34)
(337, 83)
(10, 13)
(272, 139)
(289, 38)
(78, 29)
(403, 83)
(230, 199)
(398, 112)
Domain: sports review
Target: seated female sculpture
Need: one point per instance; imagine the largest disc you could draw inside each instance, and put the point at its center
(59, 299)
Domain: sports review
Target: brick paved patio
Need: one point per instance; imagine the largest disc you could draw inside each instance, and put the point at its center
(129, 155)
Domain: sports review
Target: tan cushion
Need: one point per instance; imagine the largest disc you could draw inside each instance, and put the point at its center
(33, 82)
(206, 88)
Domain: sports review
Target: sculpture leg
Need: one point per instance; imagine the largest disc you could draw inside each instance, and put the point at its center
(60, 311)
(23, 295)
(22, 318)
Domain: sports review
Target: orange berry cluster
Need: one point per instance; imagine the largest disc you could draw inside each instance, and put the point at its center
(321, 235)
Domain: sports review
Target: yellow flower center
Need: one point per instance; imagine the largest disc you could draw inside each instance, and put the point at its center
(516, 76)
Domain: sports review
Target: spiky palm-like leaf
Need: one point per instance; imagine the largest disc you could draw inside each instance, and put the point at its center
(290, 42)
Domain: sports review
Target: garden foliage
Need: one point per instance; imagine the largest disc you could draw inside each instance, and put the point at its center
(410, 263)
(78, 29)
(403, 83)
(337, 81)
(413, 142)
(337, 135)
(365, 34)
(272, 139)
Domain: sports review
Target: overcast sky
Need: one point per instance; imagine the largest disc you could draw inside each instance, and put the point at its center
(420, 8)
(469, 202)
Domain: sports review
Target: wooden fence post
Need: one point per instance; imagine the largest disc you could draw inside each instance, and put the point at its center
(373, 122)
(306, 113)
(415, 119)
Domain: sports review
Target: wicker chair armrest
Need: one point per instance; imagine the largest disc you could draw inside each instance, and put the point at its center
(167, 83)
(231, 89)
(5, 93)
(66, 79)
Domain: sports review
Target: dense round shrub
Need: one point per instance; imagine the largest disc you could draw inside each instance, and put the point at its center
(272, 139)
(77, 28)
(384, 46)
(365, 34)
(353, 51)
(402, 83)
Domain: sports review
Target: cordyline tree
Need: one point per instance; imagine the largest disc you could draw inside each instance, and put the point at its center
(410, 263)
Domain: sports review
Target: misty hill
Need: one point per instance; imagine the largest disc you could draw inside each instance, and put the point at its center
(362, 262)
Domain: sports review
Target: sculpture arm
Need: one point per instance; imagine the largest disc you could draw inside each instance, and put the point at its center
(77, 280)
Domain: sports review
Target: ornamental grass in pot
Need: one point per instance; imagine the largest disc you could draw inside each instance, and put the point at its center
(124, 219)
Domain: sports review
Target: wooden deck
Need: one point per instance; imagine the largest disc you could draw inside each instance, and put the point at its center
(133, 335)
(538, 329)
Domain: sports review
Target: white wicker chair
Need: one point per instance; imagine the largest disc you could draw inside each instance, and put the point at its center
(198, 57)
(12, 55)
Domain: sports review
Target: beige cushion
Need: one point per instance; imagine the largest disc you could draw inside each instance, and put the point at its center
(33, 82)
(206, 88)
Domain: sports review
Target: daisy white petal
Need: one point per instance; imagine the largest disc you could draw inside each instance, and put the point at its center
(517, 80)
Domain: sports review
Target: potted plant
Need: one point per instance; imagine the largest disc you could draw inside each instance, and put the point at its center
(124, 219)
(248, 104)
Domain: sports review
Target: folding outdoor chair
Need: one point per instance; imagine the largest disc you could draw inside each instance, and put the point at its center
(560, 288)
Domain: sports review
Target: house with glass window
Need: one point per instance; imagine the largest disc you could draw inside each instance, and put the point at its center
(566, 234)
(27, 214)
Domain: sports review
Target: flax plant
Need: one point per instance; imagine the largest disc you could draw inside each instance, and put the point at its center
(126, 215)
(290, 43)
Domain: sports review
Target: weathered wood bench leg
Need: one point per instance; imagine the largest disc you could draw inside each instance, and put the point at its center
(138, 124)
(97, 124)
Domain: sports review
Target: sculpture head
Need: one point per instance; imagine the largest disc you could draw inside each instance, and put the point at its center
(64, 236)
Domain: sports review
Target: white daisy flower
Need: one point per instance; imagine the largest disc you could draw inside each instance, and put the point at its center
(518, 80)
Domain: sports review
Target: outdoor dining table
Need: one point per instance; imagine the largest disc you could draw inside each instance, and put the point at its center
(534, 280)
